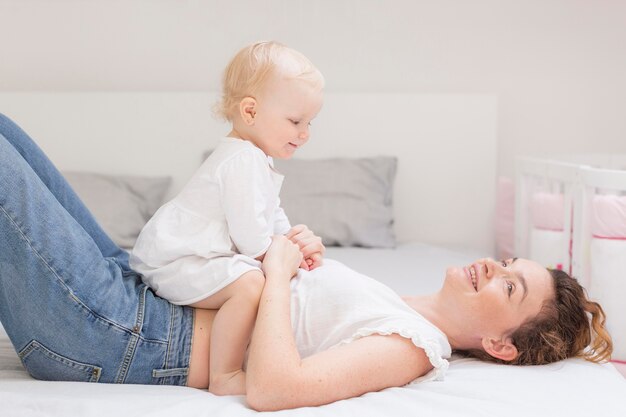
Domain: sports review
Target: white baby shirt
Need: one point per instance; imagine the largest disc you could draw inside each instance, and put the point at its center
(210, 233)
(334, 305)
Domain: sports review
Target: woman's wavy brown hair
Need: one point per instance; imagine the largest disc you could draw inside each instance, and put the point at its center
(569, 325)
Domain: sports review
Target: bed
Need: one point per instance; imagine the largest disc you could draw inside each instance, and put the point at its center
(402, 239)
(471, 388)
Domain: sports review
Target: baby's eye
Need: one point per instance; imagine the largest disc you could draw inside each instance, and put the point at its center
(295, 122)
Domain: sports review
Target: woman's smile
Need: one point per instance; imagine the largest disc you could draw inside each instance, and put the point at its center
(472, 276)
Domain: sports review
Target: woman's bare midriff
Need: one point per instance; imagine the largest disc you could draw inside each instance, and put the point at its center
(198, 376)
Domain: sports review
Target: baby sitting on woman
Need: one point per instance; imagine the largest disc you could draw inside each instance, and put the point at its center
(204, 248)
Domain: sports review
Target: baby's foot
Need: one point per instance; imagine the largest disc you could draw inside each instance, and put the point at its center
(232, 383)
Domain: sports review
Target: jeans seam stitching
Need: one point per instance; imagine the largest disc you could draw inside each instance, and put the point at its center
(128, 357)
(134, 339)
(169, 340)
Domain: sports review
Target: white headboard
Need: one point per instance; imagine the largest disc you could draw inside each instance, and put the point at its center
(446, 146)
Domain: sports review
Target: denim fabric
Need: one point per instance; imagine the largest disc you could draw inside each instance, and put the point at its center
(70, 304)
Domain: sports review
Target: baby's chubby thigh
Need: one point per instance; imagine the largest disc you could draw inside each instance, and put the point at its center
(246, 289)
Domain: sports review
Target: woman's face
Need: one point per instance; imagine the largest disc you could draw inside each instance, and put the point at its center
(493, 298)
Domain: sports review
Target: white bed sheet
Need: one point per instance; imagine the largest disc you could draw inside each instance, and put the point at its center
(471, 388)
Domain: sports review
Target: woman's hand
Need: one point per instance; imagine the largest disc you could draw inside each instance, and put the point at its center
(282, 258)
(310, 245)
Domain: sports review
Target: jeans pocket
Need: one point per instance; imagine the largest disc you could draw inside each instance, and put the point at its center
(42, 363)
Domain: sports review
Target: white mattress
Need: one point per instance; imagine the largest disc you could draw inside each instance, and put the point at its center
(471, 388)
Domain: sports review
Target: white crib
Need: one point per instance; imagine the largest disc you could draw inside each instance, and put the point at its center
(570, 213)
(548, 242)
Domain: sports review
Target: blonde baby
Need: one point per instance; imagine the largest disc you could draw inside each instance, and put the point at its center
(204, 248)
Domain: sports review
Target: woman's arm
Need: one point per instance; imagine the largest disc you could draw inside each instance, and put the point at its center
(277, 378)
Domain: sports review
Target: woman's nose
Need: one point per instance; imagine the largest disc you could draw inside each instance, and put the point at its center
(490, 266)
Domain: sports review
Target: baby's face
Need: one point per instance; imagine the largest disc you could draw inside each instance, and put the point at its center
(285, 108)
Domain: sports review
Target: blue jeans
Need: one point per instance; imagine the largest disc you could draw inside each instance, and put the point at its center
(72, 307)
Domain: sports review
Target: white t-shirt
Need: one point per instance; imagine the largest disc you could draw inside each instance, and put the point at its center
(334, 305)
(210, 233)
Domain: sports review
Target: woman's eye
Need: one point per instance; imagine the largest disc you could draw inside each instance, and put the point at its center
(503, 262)
(509, 288)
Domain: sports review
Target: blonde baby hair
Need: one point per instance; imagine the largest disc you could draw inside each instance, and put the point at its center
(248, 71)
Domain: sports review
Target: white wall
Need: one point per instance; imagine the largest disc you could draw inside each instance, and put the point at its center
(557, 66)
(441, 197)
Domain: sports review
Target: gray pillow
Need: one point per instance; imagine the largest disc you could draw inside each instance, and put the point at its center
(121, 204)
(345, 201)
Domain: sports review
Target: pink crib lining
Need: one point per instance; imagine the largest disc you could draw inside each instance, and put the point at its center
(608, 218)
(546, 211)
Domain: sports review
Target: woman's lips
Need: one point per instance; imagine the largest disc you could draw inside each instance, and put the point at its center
(472, 275)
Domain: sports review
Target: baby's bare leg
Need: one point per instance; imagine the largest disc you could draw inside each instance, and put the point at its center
(230, 335)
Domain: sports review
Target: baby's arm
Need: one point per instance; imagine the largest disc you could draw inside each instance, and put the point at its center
(281, 222)
(244, 190)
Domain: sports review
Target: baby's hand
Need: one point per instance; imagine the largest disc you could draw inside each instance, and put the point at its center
(314, 261)
(310, 245)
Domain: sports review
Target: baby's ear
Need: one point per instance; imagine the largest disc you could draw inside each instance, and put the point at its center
(503, 349)
(247, 110)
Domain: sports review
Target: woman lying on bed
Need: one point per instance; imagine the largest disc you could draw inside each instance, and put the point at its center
(75, 311)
